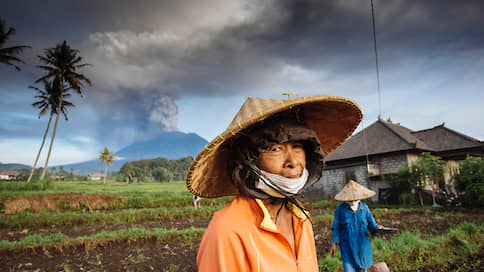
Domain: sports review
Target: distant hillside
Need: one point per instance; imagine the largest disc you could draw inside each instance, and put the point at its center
(170, 145)
(13, 166)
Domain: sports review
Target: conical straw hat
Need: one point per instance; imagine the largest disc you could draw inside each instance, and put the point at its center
(332, 118)
(354, 191)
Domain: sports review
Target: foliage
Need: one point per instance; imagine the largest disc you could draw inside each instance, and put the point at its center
(161, 174)
(131, 173)
(49, 98)
(25, 186)
(8, 54)
(107, 157)
(406, 179)
(329, 263)
(177, 168)
(413, 178)
(24, 174)
(431, 167)
(409, 252)
(470, 181)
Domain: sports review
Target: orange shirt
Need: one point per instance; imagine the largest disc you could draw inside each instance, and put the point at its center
(242, 237)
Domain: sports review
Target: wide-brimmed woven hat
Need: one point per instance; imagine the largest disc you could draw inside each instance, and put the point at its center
(354, 191)
(332, 118)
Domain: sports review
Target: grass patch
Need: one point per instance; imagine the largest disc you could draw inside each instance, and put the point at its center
(330, 264)
(139, 195)
(460, 249)
(323, 217)
(34, 239)
(7, 187)
(91, 187)
(448, 252)
(48, 219)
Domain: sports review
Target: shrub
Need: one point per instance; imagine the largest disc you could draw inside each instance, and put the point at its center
(406, 179)
(470, 181)
(330, 263)
(161, 174)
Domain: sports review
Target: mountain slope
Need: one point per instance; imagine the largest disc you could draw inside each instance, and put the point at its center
(170, 145)
(13, 166)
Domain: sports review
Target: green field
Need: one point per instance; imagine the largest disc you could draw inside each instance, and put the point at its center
(152, 226)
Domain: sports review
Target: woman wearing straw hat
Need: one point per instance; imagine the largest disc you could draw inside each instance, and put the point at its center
(271, 152)
(352, 220)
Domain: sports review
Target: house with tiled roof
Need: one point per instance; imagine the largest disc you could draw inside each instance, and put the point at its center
(8, 174)
(96, 176)
(383, 147)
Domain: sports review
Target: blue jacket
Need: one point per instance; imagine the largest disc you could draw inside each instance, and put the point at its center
(350, 230)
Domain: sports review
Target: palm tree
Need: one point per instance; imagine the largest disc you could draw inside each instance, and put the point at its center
(107, 157)
(7, 54)
(63, 62)
(48, 100)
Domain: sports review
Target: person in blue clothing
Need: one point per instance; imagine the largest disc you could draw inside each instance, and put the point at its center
(352, 221)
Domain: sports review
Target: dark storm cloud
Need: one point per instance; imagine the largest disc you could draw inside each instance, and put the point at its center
(315, 35)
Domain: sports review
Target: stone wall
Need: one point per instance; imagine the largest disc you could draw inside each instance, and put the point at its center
(334, 179)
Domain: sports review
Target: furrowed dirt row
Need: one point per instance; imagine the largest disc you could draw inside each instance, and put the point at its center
(149, 253)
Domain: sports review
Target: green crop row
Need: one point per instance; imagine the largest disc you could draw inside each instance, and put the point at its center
(43, 219)
(185, 237)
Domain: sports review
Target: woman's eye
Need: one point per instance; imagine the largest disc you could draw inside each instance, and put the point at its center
(275, 148)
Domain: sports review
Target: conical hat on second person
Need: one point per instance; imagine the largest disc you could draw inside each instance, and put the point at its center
(354, 191)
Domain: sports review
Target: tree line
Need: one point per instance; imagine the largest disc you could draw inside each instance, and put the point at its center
(158, 169)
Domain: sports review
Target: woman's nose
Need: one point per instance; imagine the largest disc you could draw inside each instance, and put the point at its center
(291, 161)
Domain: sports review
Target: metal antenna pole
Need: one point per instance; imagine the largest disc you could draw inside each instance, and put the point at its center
(376, 59)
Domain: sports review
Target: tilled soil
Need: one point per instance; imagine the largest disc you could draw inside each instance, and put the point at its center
(150, 255)
(86, 230)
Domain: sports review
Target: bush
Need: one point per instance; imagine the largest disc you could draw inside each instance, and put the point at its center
(469, 181)
(406, 179)
(162, 174)
(330, 263)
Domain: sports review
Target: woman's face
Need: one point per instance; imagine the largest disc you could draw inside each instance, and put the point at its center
(286, 159)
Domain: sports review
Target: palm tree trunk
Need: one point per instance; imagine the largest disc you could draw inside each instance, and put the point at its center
(59, 108)
(105, 172)
(41, 146)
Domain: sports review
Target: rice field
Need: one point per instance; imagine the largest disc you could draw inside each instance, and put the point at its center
(153, 227)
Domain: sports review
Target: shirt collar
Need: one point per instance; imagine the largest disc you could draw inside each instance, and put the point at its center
(267, 222)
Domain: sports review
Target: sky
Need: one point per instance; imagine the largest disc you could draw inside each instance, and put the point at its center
(189, 65)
